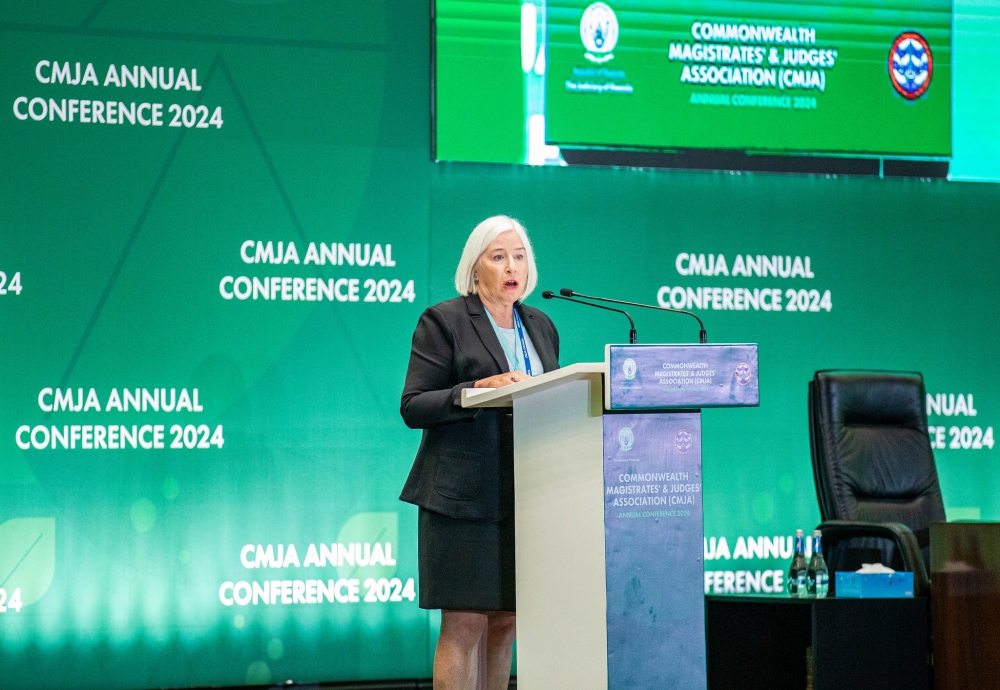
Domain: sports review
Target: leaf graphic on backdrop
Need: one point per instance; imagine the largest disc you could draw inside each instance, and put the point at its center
(370, 533)
(28, 556)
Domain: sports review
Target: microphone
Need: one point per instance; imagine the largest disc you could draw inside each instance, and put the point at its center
(702, 334)
(548, 294)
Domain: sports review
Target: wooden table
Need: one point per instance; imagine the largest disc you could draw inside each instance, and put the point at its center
(965, 605)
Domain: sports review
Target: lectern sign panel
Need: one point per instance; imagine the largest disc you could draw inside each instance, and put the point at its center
(653, 551)
(681, 376)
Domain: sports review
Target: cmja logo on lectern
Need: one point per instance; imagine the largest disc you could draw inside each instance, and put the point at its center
(626, 438)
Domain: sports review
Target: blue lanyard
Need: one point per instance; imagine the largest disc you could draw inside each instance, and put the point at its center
(524, 344)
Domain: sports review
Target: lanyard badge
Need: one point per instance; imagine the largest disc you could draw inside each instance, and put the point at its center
(524, 344)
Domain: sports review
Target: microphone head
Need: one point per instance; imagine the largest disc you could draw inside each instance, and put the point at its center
(566, 292)
(547, 294)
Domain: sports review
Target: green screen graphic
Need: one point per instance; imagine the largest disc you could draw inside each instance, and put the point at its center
(717, 82)
(206, 321)
(801, 77)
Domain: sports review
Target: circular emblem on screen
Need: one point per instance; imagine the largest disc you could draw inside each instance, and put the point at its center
(910, 65)
(599, 32)
(629, 368)
(626, 438)
(743, 373)
(683, 440)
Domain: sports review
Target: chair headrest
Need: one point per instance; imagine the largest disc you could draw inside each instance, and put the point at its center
(872, 398)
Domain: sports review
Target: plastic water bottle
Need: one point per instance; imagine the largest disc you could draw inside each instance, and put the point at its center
(797, 571)
(817, 576)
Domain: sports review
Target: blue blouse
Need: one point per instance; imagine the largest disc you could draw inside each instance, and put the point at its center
(511, 345)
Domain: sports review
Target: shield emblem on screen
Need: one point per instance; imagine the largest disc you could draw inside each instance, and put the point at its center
(910, 65)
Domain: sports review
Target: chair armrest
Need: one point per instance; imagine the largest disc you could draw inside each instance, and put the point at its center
(835, 531)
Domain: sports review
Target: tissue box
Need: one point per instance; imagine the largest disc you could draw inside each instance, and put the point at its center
(874, 585)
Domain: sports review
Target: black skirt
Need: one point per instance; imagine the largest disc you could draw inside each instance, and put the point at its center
(466, 565)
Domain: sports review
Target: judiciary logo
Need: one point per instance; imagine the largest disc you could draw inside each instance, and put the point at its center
(743, 373)
(626, 438)
(683, 440)
(910, 65)
(629, 368)
(599, 32)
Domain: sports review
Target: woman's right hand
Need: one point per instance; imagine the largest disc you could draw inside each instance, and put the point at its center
(501, 380)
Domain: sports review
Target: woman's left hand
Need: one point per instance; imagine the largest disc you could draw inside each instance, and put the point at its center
(501, 380)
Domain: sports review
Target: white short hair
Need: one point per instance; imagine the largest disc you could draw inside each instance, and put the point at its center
(481, 238)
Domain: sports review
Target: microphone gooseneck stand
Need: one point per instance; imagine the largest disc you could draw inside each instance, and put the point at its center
(548, 294)
(702, 333)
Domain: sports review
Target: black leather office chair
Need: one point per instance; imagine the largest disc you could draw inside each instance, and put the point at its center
(875, 475)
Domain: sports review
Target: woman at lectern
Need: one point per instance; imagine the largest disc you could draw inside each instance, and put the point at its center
(463, 476)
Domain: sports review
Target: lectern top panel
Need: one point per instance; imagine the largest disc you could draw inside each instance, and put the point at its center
(504, 397)
(664, 377)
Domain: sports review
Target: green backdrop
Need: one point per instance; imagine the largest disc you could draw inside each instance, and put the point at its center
(122, 236)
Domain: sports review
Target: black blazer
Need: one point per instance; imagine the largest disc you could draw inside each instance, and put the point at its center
(464, 466)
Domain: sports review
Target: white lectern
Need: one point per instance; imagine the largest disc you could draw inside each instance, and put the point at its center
(608, 513)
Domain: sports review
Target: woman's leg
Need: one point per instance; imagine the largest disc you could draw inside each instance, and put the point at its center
(482, 677)
(500, 634)
(456, 660)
